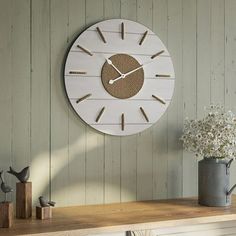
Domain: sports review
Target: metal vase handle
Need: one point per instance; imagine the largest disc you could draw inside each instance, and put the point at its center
(227, 171)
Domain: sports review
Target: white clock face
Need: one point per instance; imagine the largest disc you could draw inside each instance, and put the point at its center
(119, 77)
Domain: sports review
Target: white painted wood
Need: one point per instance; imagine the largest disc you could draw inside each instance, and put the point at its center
(112, 166)
(160, 65)
(175, 111)
(40, 100)
(59, 106)
(160, 148)
(92, 65)
(79, 87)
(230, 67)
(95, 153)
(5, 91)
(21, 84)
(144, 140)
(129, 143)
(190, 162)
(77, 128)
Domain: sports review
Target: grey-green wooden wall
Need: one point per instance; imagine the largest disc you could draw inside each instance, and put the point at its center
(72, 163)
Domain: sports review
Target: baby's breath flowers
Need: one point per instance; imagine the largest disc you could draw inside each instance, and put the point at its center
(212, 136)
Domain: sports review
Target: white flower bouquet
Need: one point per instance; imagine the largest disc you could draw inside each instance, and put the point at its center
(212, 136)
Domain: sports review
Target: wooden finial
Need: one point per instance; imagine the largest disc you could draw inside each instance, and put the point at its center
(159, 99)
(157, 54)
(83, 98)
(100, 114)
(84, 50)
(144, 114)
(101, 35)
(143, 37)
(122, 122)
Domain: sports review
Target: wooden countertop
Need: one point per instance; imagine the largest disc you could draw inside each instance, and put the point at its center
(83, 220)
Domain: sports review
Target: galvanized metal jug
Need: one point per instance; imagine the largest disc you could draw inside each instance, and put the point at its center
(213, 182)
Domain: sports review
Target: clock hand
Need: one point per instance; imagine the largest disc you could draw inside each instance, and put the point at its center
(111, 63)
(111, 81)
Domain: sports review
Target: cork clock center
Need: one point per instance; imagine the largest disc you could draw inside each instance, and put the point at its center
(119, 79)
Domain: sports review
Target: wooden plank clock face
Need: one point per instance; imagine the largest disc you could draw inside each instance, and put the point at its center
(119, 77)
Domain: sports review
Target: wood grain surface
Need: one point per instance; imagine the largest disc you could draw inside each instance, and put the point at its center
(118, 217)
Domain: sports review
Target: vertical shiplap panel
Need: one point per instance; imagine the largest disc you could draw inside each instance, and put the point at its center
(59, 105)
(77, 128)
(175, 111)
(112, 143)
(129, 143)
(189, 91)
(203, 55)
(160, 149)
(217, 51)
(94, 140)
(144, 148)
(5, 87)
(230, 65)
(21, 83)
(40, 103)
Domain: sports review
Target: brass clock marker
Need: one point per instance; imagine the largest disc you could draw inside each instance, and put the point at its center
(159, 99)
(122, 122)
(83, 98)
(77, 72)
(159, 75)
(157, 54)
(101, 35)
(144, 114)
(142, 39)
(122, 30)
(100, 114)
(85, 50)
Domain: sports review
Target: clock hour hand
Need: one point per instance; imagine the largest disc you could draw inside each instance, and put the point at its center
(111, 63)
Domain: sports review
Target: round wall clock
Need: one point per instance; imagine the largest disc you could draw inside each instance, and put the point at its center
(119, 77)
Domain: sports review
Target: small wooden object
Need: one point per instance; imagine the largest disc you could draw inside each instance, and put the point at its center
(43, 213)
(24, 200)
(100, 114)
(122, 122)
(143, 37)
(159, 75)
(101, 35)
(6, 214)
(83, 98)
(157, 54)
(77, 72)
(159, 99)
(122, 30)
(85, 50)
(144, 114)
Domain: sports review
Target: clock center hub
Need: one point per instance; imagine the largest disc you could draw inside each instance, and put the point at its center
(116, 80)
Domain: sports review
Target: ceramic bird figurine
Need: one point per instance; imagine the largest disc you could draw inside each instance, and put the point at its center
(4, 187)
(22, 176)
(45, 203)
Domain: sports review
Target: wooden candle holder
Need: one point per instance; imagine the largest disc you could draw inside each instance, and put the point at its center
(23, 200)
(6, 214)
(43, 213)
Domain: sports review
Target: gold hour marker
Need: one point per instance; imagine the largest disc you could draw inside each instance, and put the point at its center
(78, 72)
(122, 121)
(84, 50)
(160, 75)
(101, 35)
(142, 39)
(144, 114)
(83, 98)
(122, 30)
(100, 114)
(159, 99)
(157, 54)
